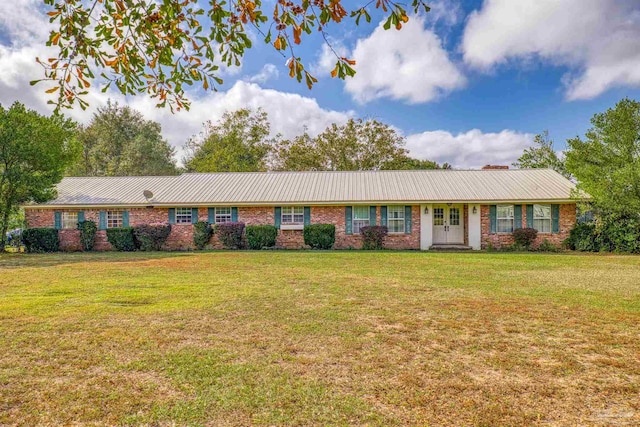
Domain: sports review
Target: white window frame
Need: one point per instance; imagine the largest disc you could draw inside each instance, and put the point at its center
(537, 218)
(69, 220)
(397, 220)
(289, 215)
(358, 222)
(505, 218)
(221, 218)
(183, 216)
(114, 219)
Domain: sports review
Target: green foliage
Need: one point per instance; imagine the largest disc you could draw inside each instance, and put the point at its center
(320, 236)
(261, 236)
(38, 240)
(582, 237)
(151, 237)
(373, 237)
(88, 230)
(202, 232)
(547, 246)
(122, 238)
(618, 233)
(525, 237)
(230, 234)
(542, 156)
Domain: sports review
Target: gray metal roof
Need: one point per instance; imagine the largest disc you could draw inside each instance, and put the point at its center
(317, 188)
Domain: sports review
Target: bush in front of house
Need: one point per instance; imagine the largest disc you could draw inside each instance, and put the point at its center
(618, 233)
(373, 237)
(320, 236)
(261, 236)
(202, 232)
(582, 237)
(88, 230)
(38, 240)
(121, 238)
(151, 237)
(524, 237)
(230, 234)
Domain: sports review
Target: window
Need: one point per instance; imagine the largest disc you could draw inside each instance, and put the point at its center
(438, 216)
(360, 218)
(293, 215)
(114, 219)
(542, 218)
(395, 219)
(69, 219)
(504, 218)
(183, 215)
(454, 216)
(223, 215)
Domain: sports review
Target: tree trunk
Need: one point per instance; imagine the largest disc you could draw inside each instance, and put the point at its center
(3, 228)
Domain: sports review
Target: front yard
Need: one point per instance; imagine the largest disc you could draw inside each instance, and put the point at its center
(314, 338)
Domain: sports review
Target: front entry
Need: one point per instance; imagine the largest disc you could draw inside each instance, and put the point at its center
(448, 224)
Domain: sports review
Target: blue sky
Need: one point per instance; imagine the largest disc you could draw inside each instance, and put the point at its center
(469, 83)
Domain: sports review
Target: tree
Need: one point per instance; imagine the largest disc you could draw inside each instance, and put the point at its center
(34, 152)
(607, 162)
(236, 143)
(160, 47)
(120, 142)
(542, 156)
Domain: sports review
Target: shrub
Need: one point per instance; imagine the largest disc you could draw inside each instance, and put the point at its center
(202, 232)
(320, 236)
(373, 237)
(121, 238)
(547, 246)
(38, 240)
(230, 234)
(151, 237)
(88, 230)
(261, 236)
(617, 233)
(524, 237)
(582, 237)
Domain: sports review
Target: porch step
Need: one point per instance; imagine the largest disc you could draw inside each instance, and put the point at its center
(451, 248)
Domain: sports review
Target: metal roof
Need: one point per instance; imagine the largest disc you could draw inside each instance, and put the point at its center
(317, 188)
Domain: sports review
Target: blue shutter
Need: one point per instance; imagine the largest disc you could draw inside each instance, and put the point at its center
(517, 217)
(125, 218)
(529, 216)
(383, 215)
(194, 215)
(102, 223)
(372, 215)
(172, 215)
(234, 214)
(307, 215)
(407, 220)
(80, 216)
(277, 216)
(493, 219)
(555, 218)
(57, 220)
(211, 213)
(348, 220)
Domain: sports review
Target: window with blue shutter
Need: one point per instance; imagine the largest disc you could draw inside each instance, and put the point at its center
(194, 215)
(407, 219)
(372, 215)
(125, 218)
(277, 216)
(529, 216)
(102, 223)
(211, 215)
(80, 216)
(57, 220)
(493, 219)
(172, 215)
(234, 214)
(555, 218)
(517, 217)
(383, 215)
(348, 220)
(307, 215)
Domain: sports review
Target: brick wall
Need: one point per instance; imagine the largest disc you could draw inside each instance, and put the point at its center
(498, 240)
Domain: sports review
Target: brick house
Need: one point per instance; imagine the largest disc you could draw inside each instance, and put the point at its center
(422, 209)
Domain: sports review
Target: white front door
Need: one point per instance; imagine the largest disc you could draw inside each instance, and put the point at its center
(448, 225)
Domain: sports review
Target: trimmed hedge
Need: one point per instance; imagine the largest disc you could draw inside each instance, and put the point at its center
(524, 237)
(320, 236)
(122, 238)
(261, 236)
(202, 232)
(38, 240)
(88, 230)
(373, 237)
(151, 237)
(230, 234)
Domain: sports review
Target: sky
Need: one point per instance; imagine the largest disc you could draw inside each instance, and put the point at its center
(469, 83)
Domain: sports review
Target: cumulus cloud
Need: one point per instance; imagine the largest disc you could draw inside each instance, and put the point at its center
(268, 72)
(469, 150)
(409, 65)
(596, 39)
(326, 59)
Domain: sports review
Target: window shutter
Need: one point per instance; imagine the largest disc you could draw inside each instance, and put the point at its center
(348, 220)
(372, 215)
(517, 217)
(57, 220)
(172, 215)
(555, 218)
(211, 213)
(529, 216)
(194, 215)
(80, 216)
(383, 215)
(102, 223)
(307, 215)
(407, 220)
(277, 216)
(125, 218)
(493, 219)
(234, 214)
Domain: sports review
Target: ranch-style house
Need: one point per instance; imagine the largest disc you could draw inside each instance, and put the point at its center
(423, 209)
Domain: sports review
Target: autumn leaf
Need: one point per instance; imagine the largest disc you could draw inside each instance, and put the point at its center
(53, 89)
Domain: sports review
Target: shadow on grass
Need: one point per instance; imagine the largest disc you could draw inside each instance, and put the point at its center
(23, 260)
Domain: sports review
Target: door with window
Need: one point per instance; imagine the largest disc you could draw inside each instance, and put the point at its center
(448, 226)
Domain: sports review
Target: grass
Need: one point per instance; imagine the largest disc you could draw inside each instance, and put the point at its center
(319, 338)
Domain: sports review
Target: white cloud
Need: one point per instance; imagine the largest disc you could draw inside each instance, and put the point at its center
(268, 72)
(409, 65)
(596, 39)
(472, 149)
(326, 59)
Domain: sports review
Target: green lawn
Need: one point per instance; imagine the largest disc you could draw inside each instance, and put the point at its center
(315, 338)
